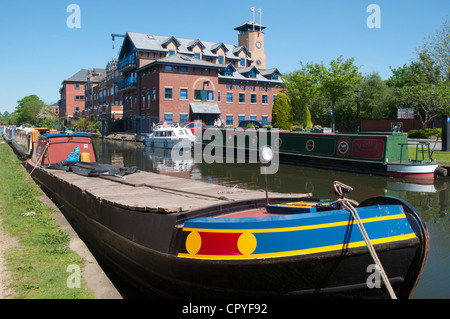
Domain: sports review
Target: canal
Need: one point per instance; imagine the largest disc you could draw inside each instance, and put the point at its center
(432, 201)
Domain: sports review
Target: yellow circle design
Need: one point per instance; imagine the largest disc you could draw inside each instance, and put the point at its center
(247, 243)
(193, 243)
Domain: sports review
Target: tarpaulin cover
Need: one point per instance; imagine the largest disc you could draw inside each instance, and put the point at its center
(92, 169)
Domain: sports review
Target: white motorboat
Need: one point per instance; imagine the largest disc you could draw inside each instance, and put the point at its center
(170, 137)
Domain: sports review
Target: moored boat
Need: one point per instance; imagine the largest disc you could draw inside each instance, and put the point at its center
(370, 153)
(235, 248)
(170, 136)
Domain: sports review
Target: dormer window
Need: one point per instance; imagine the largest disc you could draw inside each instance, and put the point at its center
(197, 56)
(274, 76)
(221, 59)
(228, 72)
(171, 52)
(252, 74)
(242, 62)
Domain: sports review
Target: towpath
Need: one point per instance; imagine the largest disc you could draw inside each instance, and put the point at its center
(96, 279)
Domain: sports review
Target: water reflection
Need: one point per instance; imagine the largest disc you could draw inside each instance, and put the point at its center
(432, 201)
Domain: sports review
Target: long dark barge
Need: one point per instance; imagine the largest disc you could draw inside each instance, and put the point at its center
(178, 238)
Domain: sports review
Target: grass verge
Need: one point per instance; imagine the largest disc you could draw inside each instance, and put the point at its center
(440, 156)
(40, 264)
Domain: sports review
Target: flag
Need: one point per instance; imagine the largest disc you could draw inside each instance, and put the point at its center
(252, 9)
(259, 10)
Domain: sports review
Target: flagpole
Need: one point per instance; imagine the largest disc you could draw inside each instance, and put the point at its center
(260, 19)
(253, 10)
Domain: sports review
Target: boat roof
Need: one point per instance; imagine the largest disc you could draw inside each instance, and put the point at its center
(67, 134)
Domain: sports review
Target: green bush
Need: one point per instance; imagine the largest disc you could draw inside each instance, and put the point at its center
(425, 133)
(282, 116)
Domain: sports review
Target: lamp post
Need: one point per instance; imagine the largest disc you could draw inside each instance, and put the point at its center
(358, 110)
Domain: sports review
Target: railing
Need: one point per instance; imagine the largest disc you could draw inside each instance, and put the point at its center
(127, 83)
(127, 62)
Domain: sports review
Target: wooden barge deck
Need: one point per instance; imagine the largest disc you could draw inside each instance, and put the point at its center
(156, 193)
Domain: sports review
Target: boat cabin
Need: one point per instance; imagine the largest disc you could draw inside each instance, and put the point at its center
(53, 148)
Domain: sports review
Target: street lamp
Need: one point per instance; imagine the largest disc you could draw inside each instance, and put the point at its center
(358, 110)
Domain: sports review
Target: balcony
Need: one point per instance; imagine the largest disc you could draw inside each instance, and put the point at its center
(127, 84)
(127, 63)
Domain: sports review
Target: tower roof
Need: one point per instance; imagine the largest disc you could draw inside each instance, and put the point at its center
(250, 26)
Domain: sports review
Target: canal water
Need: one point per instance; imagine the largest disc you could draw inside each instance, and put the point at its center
(432, 201)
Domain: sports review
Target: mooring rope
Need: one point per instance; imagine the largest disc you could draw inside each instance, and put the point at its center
(350, 204)
(38, 163)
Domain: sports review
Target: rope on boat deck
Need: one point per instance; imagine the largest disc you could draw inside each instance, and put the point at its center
(349, 204)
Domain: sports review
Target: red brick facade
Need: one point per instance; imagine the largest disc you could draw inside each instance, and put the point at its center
(182, 80)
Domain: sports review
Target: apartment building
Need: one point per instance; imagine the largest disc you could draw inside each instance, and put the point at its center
(167, 78)
(72, 98)
(103, 100)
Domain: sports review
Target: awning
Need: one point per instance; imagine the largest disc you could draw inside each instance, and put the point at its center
(205, 108)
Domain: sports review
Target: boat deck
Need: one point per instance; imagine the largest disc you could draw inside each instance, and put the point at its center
(151, 192)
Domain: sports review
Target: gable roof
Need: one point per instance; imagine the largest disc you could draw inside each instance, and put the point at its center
(158, 43)
(182, 59)
(80, 76)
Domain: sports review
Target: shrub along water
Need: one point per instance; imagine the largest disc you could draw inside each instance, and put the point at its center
(39, 265)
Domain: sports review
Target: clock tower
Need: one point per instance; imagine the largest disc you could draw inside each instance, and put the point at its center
(252, 37)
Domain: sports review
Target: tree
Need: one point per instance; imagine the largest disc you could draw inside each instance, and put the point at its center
(421, 87)
(428, 100)
(437, 47)
(302, 88)
(45, 117)
(337, 81)
(376, 98)
(282, 112)
(28, 108)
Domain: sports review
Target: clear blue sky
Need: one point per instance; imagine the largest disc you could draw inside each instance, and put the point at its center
(39, 51)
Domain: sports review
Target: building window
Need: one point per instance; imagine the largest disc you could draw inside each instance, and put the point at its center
(77, 86)
(241, 97)
(171, 52)
(168, 93)
(265, 118)
(218, 96)
(241, 118)
(197, 56)
(183, 117)
(242, 62)
(183, 94)
(221, 60)
(229, 72)
(168, 117)
(183, 69)
(253, 117)
(252, 74)
(264, 99)
(168, 68)
(229, 119)
(154, 94)
(79, 97)
(253, 98)
(229, 97)
(274, 76)
(204, 95)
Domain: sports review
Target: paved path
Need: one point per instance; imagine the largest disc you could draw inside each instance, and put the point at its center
(6, 242)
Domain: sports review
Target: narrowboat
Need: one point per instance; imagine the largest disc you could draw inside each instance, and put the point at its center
(378, 153)
(235, 247)
(23, 139)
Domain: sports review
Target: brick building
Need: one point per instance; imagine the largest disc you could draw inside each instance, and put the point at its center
(103, 100)
(72, 98)
(165, 78)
